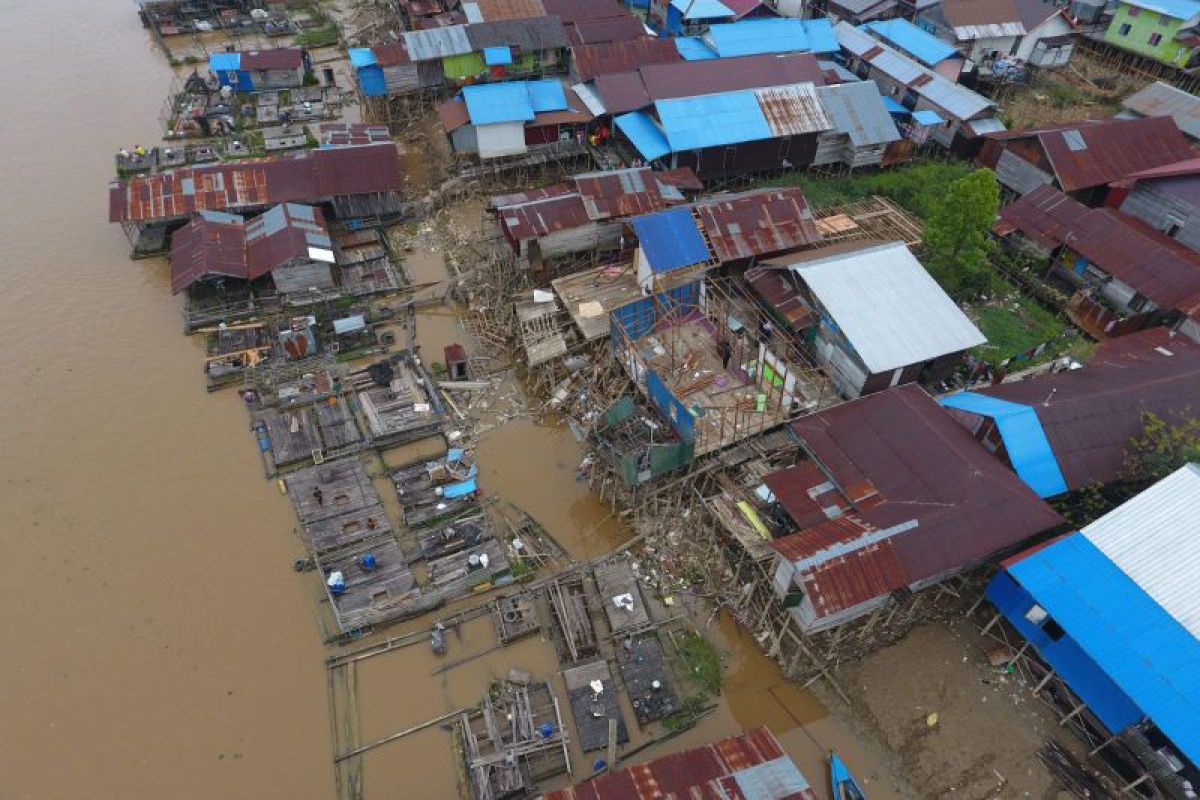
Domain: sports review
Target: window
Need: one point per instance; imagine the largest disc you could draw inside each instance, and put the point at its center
(1155, 38)
(1133, 11)
(1053, 630)
(1124, 29)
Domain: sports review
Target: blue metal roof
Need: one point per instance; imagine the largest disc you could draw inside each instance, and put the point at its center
(362, 57)
(821, 38)
(757, 36)
(693, 48)
(225, 62)
(1026, 443)
(921, 45)
(1178, 9)
(701, 9)
(498, 102)
(1131, 638)
(893, 107)
(497, 55)
(711, 120)
(927, 117)
(546, 95)
(670, 239)
(644, 133)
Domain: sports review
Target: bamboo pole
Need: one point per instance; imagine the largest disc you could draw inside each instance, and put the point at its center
(398, 735)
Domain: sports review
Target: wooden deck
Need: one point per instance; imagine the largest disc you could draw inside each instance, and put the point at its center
(590, 296)
(592, 711)
(455, 576)
(617, 579)
(516, 617)
(372, 596)
(643, 661)
(404, 410)
(343, 484)
(293, 435)
(337, 426)
(575, 634)
(454, 536)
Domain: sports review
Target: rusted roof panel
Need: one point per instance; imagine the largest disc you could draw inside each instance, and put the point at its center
(391, 55)
(731, 769)
(510, 9)
(351, 134)
(688, 78)
(1090, 414)
(612, 29)
(575, 11)
(682, 178)
(312, 175)
(1044, 215)
(554, 190)
(608, 57)
(275, 58)
(776, 289)
(538, 218)
(620, 193)
(621, 92)
(1096, 154)
(939, 497)
(792, 110)
(757, 223)
(207, 247)
(845, 581)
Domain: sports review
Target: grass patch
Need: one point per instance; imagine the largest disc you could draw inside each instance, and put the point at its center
(324, 36)
(914, 186)
(1013, 324)
(686, 716)
(699, 660)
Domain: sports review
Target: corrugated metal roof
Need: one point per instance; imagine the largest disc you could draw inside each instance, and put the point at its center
(1151, 658)
(621, 92)
(745, 767)
(492, 10)
(1177, 9)
(623, 192)
(981, 19)
(612, 29)
(792, 110)
(472, 12)
(1163, 100)
(274, 58)
(352, 134)
(1024, 440)
(606, 58)
(539, 217)
(1090, 414)
(888, 307)
(934, 499)
(670, 239)
(701, 9)
(775, 288)
(821, 38)
(918, 43)
(575, 11)
(693, 48)
(435, 43)
(756, 36)
(1044, 215)
(858, 110)
(1112, 149)
(488, 103)
(710, 120)
(979, 127)
(757, 223)
(529, 35)
(311, 175)
(684, 79)
(643, 132)
(1155, 540)
(588, 96)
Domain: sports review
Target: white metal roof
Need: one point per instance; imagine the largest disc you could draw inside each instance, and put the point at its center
(590, 99)
(1161, 99)
(1155, 540)
(993, 30)
(437, 42)
(888, 307)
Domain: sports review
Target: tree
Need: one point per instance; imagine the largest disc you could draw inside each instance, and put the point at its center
(1162, 448)
(957, 246)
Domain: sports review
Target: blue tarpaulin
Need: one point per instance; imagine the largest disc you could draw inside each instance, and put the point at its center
(701, 9)
(893, 107)
(1143, 656)
(1024, 440)
(361, 57)
(644, 133)
(712, 120)
(921, 45)
(497, 56)
(225, 62)
(927, 117)
(456, 490)
(670, 239)
(498, 102)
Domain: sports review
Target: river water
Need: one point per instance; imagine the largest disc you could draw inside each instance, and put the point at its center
(159, 644)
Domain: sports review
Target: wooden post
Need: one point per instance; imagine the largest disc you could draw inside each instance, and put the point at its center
(612, 744)
(1044, 681)
(1074, 711)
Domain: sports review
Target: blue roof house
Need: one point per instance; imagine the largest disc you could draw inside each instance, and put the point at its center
(917, 43)
(752, 37)
(686, 17)
(1114, 610)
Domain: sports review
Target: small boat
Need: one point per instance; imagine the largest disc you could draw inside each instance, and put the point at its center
(437, 638)
(843, 783)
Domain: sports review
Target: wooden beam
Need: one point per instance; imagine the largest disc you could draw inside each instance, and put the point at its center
(398, 735)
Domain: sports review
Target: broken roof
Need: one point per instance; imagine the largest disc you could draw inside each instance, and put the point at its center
(927, 499)
(1095, 152)
(625, 192)
(885, 304)
(1125, 247)
(752, 766)
(309, 176)
(757, 223)
(1089, 415)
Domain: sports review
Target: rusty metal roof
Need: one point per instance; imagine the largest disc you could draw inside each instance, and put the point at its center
(529, 35)
(752, 766)
(981, 19)
(919, 483)
(1125, 247)
(310, 176)
(275, 58)
(605, 58)
(391, 55)
(611, 29)
(622, 192)
(621, 92)
(575, 11)
(777, 289)
(792, 110)
(689, 78)
(516, 199)
(493, 10)
(1090, 414)
(536, 218)
(1093, 153)
(757, 223)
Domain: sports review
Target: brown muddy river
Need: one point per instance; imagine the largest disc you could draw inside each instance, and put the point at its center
(158, 643)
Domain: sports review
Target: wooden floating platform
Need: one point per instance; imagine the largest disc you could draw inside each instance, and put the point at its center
(642, 661)
(617, 580)
(516, 617)
(337, 426)
(592, 711)
(575, 637)
(455, 536)
(387, 592)
(404, 410)
(420, 488)
(292, 433)
(343, 484)
(455, 576)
